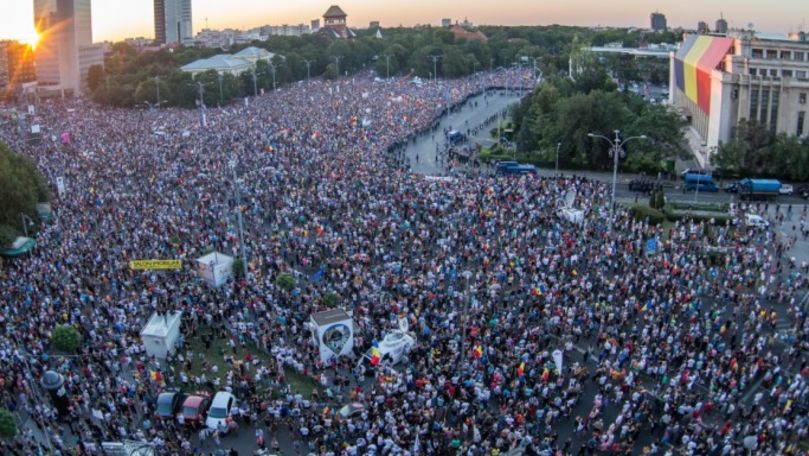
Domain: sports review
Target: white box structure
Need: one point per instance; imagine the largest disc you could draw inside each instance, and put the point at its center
(333, 332)
(215, 268)
(160, 334)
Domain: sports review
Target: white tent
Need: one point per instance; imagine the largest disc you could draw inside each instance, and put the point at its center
(574, 216)
(215, 268)
(161, 333)
(333, 332)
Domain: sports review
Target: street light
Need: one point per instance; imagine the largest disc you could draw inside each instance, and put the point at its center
(236, 188)
(616, 150)
(558, 146)
(387, 63)
(26, 222)
(308, 64)
(435, 59)
(337, 59)
(466, 275)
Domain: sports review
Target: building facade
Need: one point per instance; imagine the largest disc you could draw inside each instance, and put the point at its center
(64, 26)
(173, 22)
(717, 81)
(658, 22)
(16, 65)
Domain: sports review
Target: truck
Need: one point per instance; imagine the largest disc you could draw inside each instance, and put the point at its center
(699, 182)
(518, 170)
(759, 188)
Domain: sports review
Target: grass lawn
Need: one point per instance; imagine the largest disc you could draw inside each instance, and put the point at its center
(215, 356)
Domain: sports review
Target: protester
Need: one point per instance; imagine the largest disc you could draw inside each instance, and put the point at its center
(677, 344)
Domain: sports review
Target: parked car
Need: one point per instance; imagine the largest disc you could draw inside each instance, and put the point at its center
(803, 190)
(351, 410)
(732, 187)
(194, 408)
(756, 221)
(221, 406)
(786, 189)
(168, 404)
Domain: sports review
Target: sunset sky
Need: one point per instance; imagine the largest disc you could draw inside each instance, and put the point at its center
(118, 19)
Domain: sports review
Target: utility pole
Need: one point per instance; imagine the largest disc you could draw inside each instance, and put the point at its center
(220, 90)
(337, 59)
(474, 67)
(558, 146)
(308, 63)
(272, 70)
(387, 63)
(157, 86)
(34, 384)
(237, 190)
(255, 83)
(435, 66)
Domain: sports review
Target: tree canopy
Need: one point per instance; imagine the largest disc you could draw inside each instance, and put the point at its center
(21, 187)
(755, 151)
(128, 77)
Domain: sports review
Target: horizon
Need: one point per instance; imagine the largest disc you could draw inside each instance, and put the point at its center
(115, 21)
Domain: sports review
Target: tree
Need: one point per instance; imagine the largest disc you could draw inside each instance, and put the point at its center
(66, 338)
(21, 187)
(95, 76)
(8, 426)
(238, 267)
(330, 299)
(285, 281)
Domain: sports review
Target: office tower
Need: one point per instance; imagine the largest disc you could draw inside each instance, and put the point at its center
(63, 26)
(659, 22)
(172, 21)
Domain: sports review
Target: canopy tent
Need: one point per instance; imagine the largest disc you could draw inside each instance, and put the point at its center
(19, 247)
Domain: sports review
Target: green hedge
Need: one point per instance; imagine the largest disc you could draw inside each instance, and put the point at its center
(643, 213)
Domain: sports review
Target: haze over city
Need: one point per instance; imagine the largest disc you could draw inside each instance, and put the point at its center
(114, 20)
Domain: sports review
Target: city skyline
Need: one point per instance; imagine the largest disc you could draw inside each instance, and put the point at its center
(114, 21)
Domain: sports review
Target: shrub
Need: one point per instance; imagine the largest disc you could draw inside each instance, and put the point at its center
(8, 427)
(330, 300)
(66, 338)
(7, 236)
(238, 267)
(643, 213)
(285, 281)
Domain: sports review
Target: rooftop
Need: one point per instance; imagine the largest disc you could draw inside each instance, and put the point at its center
(159, 325)
(330, 316)
(335, 11)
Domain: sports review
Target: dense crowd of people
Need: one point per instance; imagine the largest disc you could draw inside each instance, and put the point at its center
(676, 351)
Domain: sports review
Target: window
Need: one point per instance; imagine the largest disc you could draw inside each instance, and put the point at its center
(774, 111)
(753, 104)
(802, 98)
(801, 119)
(758, 53)
(752, 71)
(765, 105)
(786, 55)
(797, 55)
(786, 73)
(800, 74)
(774, 73)
(772, 54)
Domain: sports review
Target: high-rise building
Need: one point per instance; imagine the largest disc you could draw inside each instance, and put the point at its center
(172, 22)
(446, 22)
(721, 25)
(702, 27)
(63, 26)
(16, 65)
(659, 22)
(315, 25)
(718, 81)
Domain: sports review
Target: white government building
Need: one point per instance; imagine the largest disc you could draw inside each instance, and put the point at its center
(718, 80)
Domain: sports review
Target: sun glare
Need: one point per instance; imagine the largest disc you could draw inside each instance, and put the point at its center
(31, 39)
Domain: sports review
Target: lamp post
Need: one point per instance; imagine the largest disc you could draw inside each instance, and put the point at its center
(616, 150)
(220, 90)
(466, 275)
(337, 59)
(26, 221)
(157, 86)
(435, 59)
(237, 191)
(558, 146)
(308, 64)
(387, 64)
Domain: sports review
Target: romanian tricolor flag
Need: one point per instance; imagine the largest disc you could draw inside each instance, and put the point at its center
(521, 370)
(376, 356)
(478, 352)
(155, 376)
(697, 58)
(546, 375)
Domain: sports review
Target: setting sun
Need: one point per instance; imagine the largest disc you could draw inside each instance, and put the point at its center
(31, 38)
